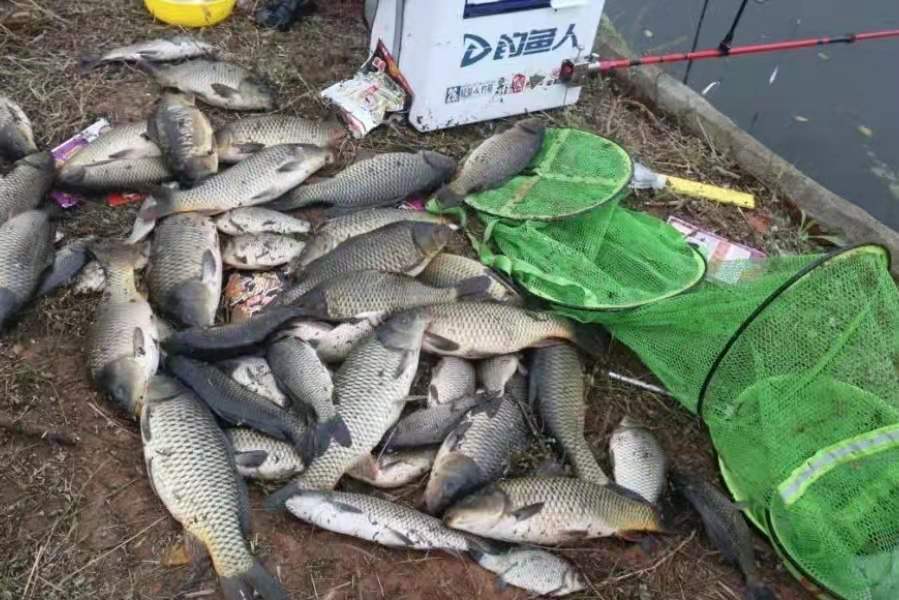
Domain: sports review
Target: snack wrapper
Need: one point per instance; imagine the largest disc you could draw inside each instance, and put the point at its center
(716, 250)
(376, 89)
(248, 293)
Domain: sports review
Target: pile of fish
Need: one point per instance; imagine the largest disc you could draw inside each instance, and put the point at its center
(318, 385)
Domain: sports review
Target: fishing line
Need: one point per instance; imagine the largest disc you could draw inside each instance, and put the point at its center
(705, 7)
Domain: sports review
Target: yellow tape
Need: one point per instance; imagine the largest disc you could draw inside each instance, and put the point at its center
(705, 191)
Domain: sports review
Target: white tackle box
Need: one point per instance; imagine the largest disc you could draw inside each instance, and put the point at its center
(474, 60)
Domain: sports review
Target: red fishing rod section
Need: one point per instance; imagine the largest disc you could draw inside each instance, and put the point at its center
(569, 69)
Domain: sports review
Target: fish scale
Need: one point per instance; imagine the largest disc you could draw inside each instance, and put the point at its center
(479, 449)
(495, 160)
(122, 142)
(339, 229)
(369, 391)
(124, 332)
(16, 136)
(371, 293)
(117, 174)
(26, 250)
(185, 136)
(430, 425)
(534, 570)
(447, 270)
(396, 248)
(376, 520)
(265, 175)
(259, 456)
(240, 139)
(209, 80)
(478, 330)
(185, 274)
(375, 181)
(558, 387)
(25, 186)
(638, 460)
(550, 510)
(190, 465)
(159, 50)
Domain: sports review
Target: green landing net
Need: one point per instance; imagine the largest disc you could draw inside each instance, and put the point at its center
(793, 364)
(559, 230)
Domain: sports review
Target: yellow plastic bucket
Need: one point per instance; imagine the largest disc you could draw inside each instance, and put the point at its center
(191, 13)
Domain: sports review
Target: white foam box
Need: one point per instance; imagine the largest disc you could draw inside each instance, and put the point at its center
(474, 60)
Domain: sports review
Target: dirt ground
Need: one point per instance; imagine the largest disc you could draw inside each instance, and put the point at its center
(82, 521)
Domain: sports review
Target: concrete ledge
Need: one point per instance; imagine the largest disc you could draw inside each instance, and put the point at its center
(698, 116)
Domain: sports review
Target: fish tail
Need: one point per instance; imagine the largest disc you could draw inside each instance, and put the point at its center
(317, 439)
(478, 546)
(274, 502)
(116, 253)
(88, 62)
(756, 590)
(449, 197)
(146, 66)
(474, 289)
(257, 580)
(158, 203)
(592, 339)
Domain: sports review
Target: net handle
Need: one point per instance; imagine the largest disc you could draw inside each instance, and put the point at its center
(768, 301)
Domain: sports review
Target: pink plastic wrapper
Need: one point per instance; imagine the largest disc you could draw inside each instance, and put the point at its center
(68, 149)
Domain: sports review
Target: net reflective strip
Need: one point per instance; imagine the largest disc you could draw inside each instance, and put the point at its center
(827, 459)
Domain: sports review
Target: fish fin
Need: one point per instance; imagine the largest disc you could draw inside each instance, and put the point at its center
(317, 439)
(128, 154)
(344, 507)
(224, 90)
(274, 502)
(261, 195)
(449, 197)
(478, 546)
(340, 211)
(635, 537)
(111, 253)
(406, 540)
(250, 459)
(592, 339)
(441, 343)
(152, 132)
(572, 535)
(209, 267)
(243, 507)
(626, 492)
(758, 591)
(158, 204)
(88, 62)
(294, 165)
(405, 362)
(249, 147)
(196, 551)
(139, 343)
(474, 289)
(526, 512)
(147, 66)
(433, 395)
(256, 579)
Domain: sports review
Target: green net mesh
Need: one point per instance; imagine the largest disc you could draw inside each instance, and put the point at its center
(791, 404)
(680, 338)
(606, 258)
(574, 172)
